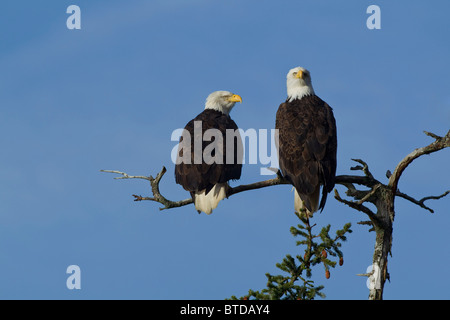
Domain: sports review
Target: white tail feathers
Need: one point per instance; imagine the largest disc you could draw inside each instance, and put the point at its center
(313, 199)
(208, 202)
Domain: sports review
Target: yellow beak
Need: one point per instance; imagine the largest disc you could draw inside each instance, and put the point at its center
(299, 75)
(235, 98)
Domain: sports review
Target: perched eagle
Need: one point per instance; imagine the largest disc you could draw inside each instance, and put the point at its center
(307, 142)
(206, 160)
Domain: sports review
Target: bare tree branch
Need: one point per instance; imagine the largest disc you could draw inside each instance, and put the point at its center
(440, 143)
(357, 206)
(364, 168)
(258, 185)
(383, 196)
(369, 223)
(369, 194)
(168, 204)
(154, 183)
(346, 180)
(420, 202)
(279, 180)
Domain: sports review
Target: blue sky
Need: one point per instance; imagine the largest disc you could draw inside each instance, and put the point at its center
(108, 96)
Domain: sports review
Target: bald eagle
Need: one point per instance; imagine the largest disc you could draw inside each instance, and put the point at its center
(205, 160)
(307, 143)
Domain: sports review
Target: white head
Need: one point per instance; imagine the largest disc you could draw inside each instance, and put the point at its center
(298, 81)
(222, 101)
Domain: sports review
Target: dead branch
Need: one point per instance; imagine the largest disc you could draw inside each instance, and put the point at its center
(364, 168)
(383, 196)
(154, 183)
(168, 204)
(357, 206)
(346, 180)
(420, 202)
(279, 180)
(438, 144)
